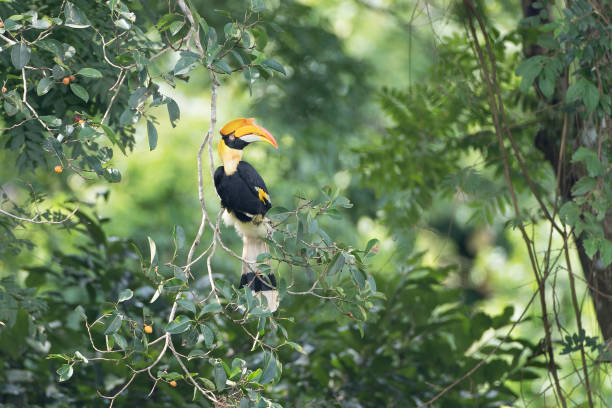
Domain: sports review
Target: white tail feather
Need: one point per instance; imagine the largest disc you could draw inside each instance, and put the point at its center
(252, 247)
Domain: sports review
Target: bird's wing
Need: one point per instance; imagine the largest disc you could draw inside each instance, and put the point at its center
(255, 182)
(243, 192)
(218, 176)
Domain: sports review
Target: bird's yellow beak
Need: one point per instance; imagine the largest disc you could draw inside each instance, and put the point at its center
(248, 131)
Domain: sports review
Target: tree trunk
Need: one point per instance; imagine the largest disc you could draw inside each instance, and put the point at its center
(548, 140)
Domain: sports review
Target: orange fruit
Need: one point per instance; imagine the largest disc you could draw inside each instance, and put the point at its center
(58, 169)
(66, 81)
(148, 329)
(3, 89)
(173, 383)
(1, 24)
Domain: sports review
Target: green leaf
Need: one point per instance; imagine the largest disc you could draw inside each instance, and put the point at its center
(357, 277)
(128, 117)
(209, 385)
(258, 6)
(65, 372)
(343, 202)
(275, 65)
(263, 257)
(569, 213)
(584, 185)
(125, 294)
(590, 97)
(152, 135)
(44, 86)
(529, 70)
(296, 347)
(111, 136)
(20, 55)
(81, 311)
(153, 251)
(371, 243)
(166, 19)
(121, 341)
(175, 26)
(187, 305)
(187, 63)
(112, 175)
(158, 291)
(210, 308)
(254, 375)
(590, 246)
(137, 97)
(51, 120)
(196, 354)
(179, 236)
(209, 336)
(79, 91)
(269, 371)
(173, 111)
(41, 24)
(12, 25)
(220, 376)
(89, 73)
(179, 325)
(591, 161)
(58, 356)
(74, 16)
(114, 325)
(86, 133)
(575, 91)
(337, 264)
(223, 66)
(547, 82)
(605, 252)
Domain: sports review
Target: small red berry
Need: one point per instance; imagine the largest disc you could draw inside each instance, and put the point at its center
(1, 24)
(72, 78)
(66, 81)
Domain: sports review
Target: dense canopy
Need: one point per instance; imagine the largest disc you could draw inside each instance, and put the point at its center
(441, 217)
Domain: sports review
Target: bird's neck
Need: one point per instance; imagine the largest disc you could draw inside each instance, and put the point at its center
(230, 157)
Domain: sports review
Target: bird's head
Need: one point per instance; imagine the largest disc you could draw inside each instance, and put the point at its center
(236, 135)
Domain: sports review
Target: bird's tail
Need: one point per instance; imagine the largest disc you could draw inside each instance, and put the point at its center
(264, 287)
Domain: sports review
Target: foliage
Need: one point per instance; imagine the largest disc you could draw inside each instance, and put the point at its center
(428, 152)
(583, 36)
(153, 321)
(427, 332)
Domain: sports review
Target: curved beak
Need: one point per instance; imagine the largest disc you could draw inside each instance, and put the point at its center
(255, 133)
(248, 131)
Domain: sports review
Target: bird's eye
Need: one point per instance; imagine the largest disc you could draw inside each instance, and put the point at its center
(231, 138)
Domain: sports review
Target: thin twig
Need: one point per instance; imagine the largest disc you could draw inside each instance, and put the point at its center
(34, 220)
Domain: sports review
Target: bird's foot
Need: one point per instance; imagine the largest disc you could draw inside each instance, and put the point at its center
(257, 219)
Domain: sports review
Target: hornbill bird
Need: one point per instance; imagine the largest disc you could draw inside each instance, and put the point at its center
(246, 200)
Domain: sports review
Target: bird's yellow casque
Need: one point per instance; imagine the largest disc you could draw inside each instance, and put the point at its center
(246, 200)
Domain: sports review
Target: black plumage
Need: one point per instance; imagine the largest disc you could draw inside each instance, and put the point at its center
(240, 192)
